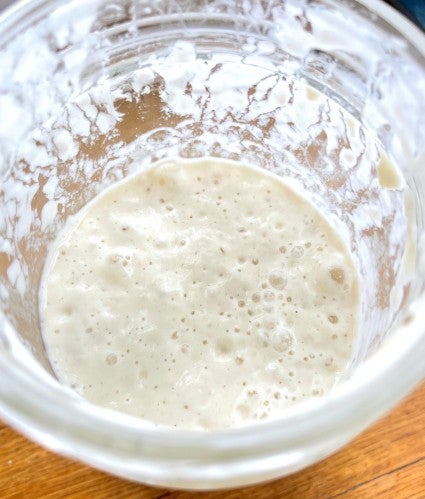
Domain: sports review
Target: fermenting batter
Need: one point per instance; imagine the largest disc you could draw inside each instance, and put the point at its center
(200, 294)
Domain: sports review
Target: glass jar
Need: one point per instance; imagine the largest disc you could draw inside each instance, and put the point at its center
(365, 63)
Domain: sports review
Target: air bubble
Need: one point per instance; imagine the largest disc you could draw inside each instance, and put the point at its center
(111, 359)
(297, 251)
(277, 279)
(269, 324)
(282, 340)
(223, 347)
(337, 274)
(255, 297)
(268, 296)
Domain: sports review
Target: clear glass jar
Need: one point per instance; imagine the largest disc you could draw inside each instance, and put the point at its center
(370, 61)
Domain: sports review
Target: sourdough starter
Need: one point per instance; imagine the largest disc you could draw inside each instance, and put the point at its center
(200, 294)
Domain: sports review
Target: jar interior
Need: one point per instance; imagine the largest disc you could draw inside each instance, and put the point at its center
(337, 116)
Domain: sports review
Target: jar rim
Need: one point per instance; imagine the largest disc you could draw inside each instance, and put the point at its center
(77, 426)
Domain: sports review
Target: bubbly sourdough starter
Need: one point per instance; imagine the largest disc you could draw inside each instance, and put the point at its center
(200, 294)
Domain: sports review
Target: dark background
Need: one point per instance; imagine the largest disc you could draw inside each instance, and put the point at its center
(414, 9)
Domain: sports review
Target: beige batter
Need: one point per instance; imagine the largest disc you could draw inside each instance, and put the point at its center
(200, 294)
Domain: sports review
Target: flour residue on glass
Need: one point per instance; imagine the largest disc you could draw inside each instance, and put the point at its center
(187, 100)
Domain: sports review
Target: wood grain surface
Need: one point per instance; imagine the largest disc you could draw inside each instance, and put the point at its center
(386, 461)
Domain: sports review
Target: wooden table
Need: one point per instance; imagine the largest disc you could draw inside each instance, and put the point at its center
(387, 461)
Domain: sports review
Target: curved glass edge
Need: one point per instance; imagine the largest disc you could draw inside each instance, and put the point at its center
(360, 399)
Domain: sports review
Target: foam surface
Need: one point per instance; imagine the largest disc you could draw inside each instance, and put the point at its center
(200, 294)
